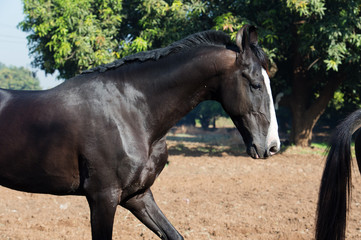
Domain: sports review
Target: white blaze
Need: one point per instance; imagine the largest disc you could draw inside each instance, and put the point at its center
(272, 135)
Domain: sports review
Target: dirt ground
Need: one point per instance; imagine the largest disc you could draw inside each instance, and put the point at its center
(205, 197)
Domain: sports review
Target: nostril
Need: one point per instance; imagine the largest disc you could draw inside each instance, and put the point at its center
(273, 150)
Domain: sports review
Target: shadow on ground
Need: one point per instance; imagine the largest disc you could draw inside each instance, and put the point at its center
(208, 150)
(197, 142)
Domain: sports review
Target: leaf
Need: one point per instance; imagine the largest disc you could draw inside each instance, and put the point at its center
(332, 64)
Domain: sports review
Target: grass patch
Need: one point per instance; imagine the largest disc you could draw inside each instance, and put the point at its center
(203, 149)
(323, 146)
(318, 148)
(315, 149)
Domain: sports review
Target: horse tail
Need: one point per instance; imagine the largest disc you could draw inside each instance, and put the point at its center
(335, 189)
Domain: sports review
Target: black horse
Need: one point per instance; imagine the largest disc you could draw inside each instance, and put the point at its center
(102, 134)
(335, 189)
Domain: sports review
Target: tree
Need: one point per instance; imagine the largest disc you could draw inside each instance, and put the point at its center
(314, 44)
(323, 52)
(72, 35)
(18, 78)
(208, 112)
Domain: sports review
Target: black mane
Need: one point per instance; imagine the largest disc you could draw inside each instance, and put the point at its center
(211, 38)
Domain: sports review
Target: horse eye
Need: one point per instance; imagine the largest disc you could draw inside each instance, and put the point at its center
(253, 85)
(256, 85)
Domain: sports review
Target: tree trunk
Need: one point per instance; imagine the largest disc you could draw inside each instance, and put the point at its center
(302, 126)
(205, 122)
(305, 115)
(305, 110)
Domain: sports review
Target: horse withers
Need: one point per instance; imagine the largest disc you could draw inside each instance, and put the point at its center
(102, 134)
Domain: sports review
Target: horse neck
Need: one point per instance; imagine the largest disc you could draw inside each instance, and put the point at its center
(173, 86)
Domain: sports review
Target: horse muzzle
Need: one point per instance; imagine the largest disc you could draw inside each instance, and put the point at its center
(257, 152)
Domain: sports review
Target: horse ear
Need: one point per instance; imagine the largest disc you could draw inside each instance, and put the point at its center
(253, 36)
(246, 36)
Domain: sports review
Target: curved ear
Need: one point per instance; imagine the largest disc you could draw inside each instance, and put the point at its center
(246, 36)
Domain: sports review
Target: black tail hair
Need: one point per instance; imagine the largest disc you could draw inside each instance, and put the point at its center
(335, 189)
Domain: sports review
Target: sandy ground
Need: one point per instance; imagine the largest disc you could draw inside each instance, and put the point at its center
(205, 197)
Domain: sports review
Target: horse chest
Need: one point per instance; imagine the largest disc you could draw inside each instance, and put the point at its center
(143, 172)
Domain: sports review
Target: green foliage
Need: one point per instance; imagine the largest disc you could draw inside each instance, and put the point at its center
(338, 100)
(157, 23)
(72, 35)
(345, 101)
(329, 30)
(307, 8)
(18, 78)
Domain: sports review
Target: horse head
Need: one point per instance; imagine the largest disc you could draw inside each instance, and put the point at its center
(246, 96)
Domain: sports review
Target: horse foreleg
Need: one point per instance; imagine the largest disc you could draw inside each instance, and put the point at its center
(147, 211)
(102, 210)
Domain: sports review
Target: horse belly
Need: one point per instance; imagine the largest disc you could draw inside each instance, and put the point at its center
(41, 165)
(36, 178)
